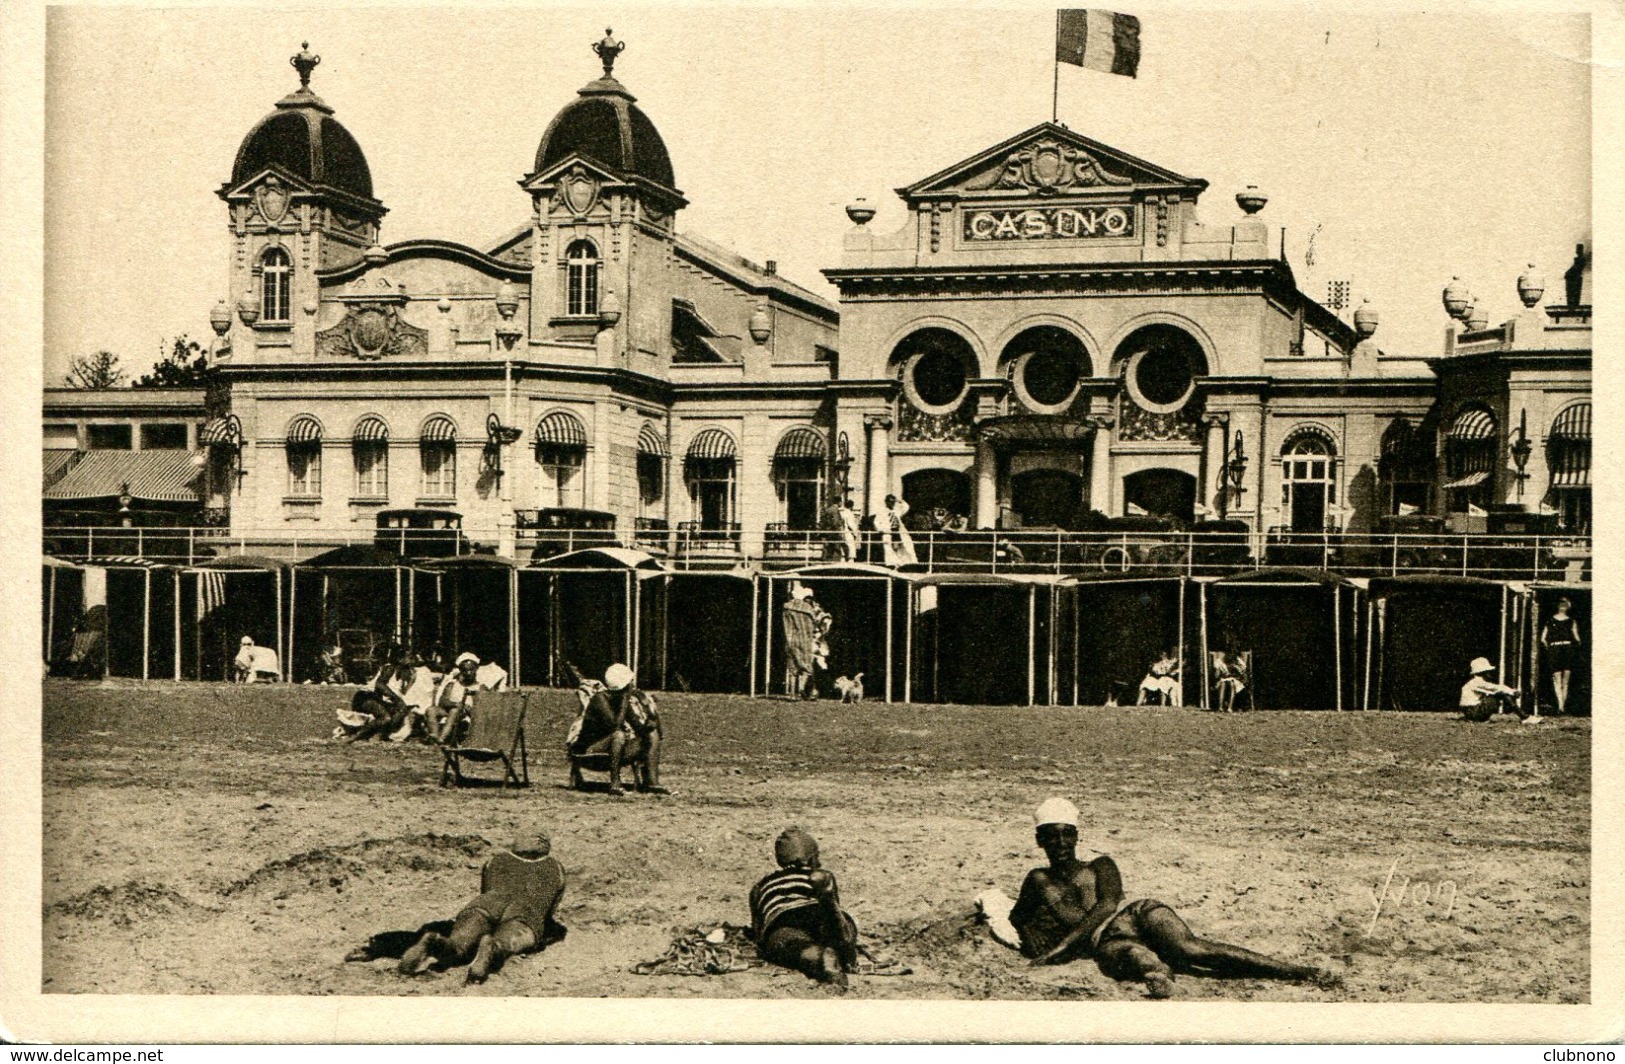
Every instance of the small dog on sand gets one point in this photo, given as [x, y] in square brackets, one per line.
[851, 690]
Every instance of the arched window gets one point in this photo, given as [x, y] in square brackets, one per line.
[1046, 365]
[369, 450]
[581, 279]
[651, 471]
[798, 472]
[1470, 453]
[936, 366]
[1160, 364]
[1406, 466]
[437, 451]
[304, 449]
[1568, 456]
[561, 451]
[276, 286]
[710, 469]
[1308, 480]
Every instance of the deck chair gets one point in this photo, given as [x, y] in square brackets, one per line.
[496, 734]
[1232, 678]
[599, 762]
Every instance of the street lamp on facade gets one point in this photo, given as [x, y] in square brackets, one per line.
[1235, 472]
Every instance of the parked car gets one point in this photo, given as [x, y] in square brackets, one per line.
[421, 533]
[562, 529]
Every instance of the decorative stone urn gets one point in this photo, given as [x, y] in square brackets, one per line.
[609, 308]
[1456, 298]
[761, 327]
[248, 309]
[859, 211]
[220, 318]
[1251, 199]
[1366, 319]
[1531, 286]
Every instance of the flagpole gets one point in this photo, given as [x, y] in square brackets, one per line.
[1055, 93]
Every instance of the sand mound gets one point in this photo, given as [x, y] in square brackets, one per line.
[333, 867]
[127, 904]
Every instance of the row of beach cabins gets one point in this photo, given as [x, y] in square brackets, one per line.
[1315, 640]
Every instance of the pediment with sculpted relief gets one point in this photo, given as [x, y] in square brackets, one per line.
[1049, 160]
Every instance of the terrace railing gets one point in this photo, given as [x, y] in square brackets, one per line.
[1500, 557]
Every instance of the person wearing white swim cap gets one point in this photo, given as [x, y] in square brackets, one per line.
[620, 721]
[1070, 909]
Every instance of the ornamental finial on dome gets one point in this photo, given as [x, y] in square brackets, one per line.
[304, 62]
[607, 50]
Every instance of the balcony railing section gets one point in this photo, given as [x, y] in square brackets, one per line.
[1551, 558]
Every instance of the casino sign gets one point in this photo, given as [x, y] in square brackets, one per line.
[1048, 223]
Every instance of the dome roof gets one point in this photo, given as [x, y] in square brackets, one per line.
[302, 137]
[604, 124]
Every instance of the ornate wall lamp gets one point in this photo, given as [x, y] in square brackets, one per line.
[497, 436]
[1521, 448]
[1235, 472]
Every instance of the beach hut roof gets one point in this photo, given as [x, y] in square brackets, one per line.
[601, 558]
[1387, 585]
[355, 556]
[467, 561]
[844, 569]
[244, 561]
[1006, 579]
[1284, 574]
[57, 563]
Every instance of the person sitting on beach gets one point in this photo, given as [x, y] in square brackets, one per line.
[330, 665]
[796, 918]
[620, 721]
[1482, 697]
[382, 708]
[256, 664]
[458, 694]
[1071, 909]
[519, 891]
[1162, 681]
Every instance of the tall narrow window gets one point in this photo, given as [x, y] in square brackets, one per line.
[1568, 456]
[581, 279]
[651, 473]
[561, 451]
[798, 468]
[710, 468]
[370, 450]
[1471, 452]
[1308, 482]
[437, 450]
[304, 448]
[276, 286]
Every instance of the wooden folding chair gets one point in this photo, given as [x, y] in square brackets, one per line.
[497, 733]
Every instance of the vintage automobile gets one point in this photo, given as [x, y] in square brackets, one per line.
[421, 533]
[562, 529]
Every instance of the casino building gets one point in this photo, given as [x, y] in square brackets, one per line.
[1053, 331]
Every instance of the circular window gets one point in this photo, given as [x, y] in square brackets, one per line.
[1049, 377]
[938, 378]
[1163, 364]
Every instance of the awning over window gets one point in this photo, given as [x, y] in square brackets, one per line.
[1574, 423]
[1473, 424]
[803, 441]
[57, 463]
[305, 429]
[370, 429]
[651, 442]
[153, 476]
[1471, 480]
[439, 429]
[1035, 429]
[712, 443]
[218, 430]
[561, 429]
[1575, 477]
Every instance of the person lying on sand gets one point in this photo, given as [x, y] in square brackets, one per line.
[513, 914]
[796, 916]
[1070, 909]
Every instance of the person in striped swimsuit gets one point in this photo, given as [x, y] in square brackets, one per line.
[796, 916]
[1072, 909]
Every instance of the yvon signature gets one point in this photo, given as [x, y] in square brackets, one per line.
[1417, 893]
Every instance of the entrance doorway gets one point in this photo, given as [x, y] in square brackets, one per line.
[1160, 493]
[1047, 498]
[926, 490]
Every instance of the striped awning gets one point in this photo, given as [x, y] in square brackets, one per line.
[153, 476]
[370, 429]
[712, 443]
[561, 429]
[1573, 476]
[803, 441]
[439, 429]
[214, 430]
[651, 441]
[305, 429]
[57, 463]
[1473, 424]
[1574, 423]
[1470, 480]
